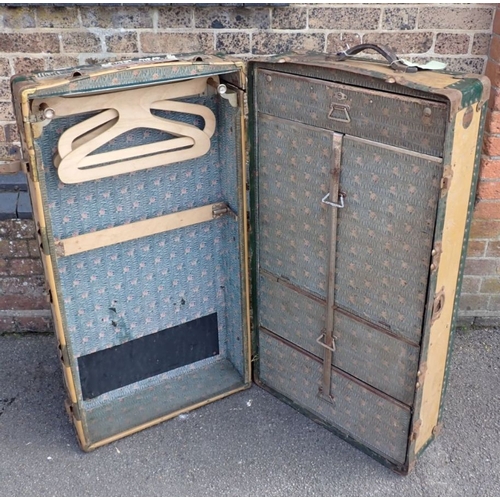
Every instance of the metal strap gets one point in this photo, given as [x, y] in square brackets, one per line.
[329, 343]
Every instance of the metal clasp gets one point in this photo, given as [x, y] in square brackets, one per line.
[332, 348]
[343, 110]
[221, 209]
[336, 205]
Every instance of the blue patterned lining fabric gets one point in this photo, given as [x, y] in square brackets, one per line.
[125, 291]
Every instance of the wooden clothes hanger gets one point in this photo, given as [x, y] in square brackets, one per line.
[122, 112]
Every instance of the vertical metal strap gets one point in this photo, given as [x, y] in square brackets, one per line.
[329, 342]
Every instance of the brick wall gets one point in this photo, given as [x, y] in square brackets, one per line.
[480, 301]
[47, 37]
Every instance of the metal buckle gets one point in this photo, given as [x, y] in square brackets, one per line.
[331, 203]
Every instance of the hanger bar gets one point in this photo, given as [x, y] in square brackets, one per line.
[140, 229]
[65, 106]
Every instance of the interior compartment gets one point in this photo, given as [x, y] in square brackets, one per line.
[154, 324]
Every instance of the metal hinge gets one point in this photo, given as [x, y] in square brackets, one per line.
[42, 231]
[437, 429]
[73, 410]
[436, 256]
[221, 209]
[422, 370]
[64, 355]
[415, 430]
[446, 180]
[48, 293]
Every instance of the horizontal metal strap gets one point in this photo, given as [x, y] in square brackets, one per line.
[140, 229]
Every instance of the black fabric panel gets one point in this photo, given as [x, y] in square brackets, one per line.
[160, 352]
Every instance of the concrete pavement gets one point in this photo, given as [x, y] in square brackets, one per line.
[245, 445]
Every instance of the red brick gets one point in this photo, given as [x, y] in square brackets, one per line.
[493, 72]
[474, 302]
[349, 18]
[179, 16]
[22, 302]
[117, 17]
[17, 17]
[29, 42]
[177, 42]
[13, 248]
[122, 42]
[24, 65]
[451, 43]
[32, 286]
[25, 267]
[493, 122]
[490, 169]
[491, 145]
[57, 17]
[494, 306]
[495, 48]
[487, 210]
[485, 229]
[470, 284]
[493, 249]
[4, 67]
[81, 41]
[490, 285]
[34, 324]
[11, 133]
[455, 17]
[33, 248]
[481, 267]
[496, 23]
[7, 325]
[481, 43]
[476, 248]
[489, 190]
[5, 90]
[6, 112]
[16, 229]
[494, 101]
[58, 62]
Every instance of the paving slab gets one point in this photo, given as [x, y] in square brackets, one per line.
[245, 445]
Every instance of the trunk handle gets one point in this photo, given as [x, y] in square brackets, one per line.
[391, 57]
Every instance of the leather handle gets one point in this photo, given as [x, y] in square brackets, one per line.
[390, 56]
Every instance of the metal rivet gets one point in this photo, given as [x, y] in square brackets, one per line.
[417, 385]
[433, 267]
[269, 78]
[427, 111]
[49, 113]
[433, 252]
[419, 373]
